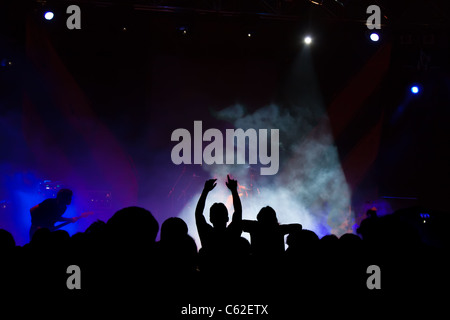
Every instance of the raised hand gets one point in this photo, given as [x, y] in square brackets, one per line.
[231, 184]
[210, 184]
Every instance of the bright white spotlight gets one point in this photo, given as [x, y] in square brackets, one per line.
[415, 89]
[307, 40]
[48, 15]
[374, 37]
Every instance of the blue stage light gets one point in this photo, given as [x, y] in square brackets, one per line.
[49, 15]
[415, 89]
[374, 37]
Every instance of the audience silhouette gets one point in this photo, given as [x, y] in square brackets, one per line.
[122, 256]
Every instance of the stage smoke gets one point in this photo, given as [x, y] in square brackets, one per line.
[310, 187]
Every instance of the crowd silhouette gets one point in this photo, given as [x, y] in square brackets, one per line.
[121, 258]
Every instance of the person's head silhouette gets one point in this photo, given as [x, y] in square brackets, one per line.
[7, 241]
[267, 216]
[218, 215]
[173, 229]
[372, 213]
[64, 196]
[133, 225]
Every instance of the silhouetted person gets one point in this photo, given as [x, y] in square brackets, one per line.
[219, 239]
[132, 226]
[301, 259]
[369, 226]
[349, 238]
[7, 242]
[173, 229]
[329, 238]
[329, 245]
[267, 235]
[300, 240]
[351, 244]
[9, 263]
[177, 249]
[50, 211]
[96, 228]
[130, 252]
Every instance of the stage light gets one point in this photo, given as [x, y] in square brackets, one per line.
[374, 37]
[4, 204]
[425, 217]
[5, 63]
[307, 40]
[49, 15]
[183, 30]
[415, 89]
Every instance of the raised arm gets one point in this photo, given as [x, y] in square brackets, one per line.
[232, 185]
[199, 218]
[290, 228]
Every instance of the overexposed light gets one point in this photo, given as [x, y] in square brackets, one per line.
[49, 15]
[374, 37]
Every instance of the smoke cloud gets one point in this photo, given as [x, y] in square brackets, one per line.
[310, 187]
